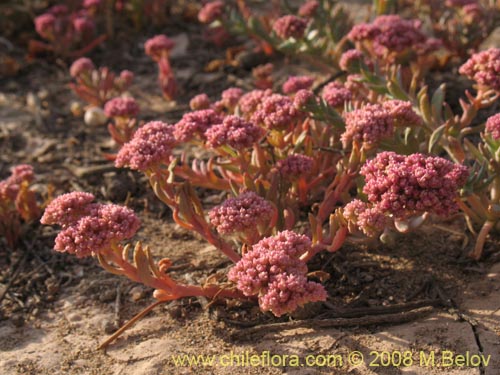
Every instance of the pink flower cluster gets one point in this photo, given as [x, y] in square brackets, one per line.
[121, 107]
[484, 68]
[88, 228]
[9, 188]
[295, 166]
[235, 132]
[404, 185]
[249, 102]
[273, 271]
[97, 86]
[211, 11]
[290, 26]
[126, 77]
[296, 83]
[65, 29]
[242, 213]
[493, 126]
[158, 46]
[81, 66]
[302, 98]
[196, 124]
[402, 113]
[370, 220]
[368, 125]
[44, 25]
[351, 60]
[200, 101]
[390, 33]
[275, 112]
[336, 94]
[151, 144]
[230, 98]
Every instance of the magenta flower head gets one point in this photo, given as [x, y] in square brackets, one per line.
[81, 66]
[352, 60]
[273, 271]
[235, 132]
[243, 213]
[211, 11]
[21, 173]
[196, 124]
[200, 101]
[336, 94]
[473, 13]
[275, 112]
[405, 185]
[295, 166]
[249, 102]
[397, 34]
[296, 83]
[84, 26]
[230, 97]
[158, 46]
[68, 208]
[367, 125]
[363, 31]
[126, 76]
[370, 220]
[303, 98]
[103, 228]
[493, 126]
[151, 145]
[484, 68]
[121, 107]
[290, 26]
[402, 113]
[287, 292]
[10, 187]
[44, 25]
[308, 9]
[391, 33]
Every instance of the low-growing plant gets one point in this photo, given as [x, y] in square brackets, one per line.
[359, 158]
[66, 32]
[315, 31]
[158, 48]
[462, 25]
[97, 86]
[18, 203]
[287, 176]
[123, 112]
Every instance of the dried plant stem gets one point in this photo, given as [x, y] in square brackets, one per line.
[481, 239]
[392, 319]
[129, 324]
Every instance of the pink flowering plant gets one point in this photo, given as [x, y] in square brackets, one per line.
[462, 25]
[391, 40]
[360, 156]
[158, 49]
[67, 33]
[315, 29]
[96, 86]
[18, 203]
[123, 111]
